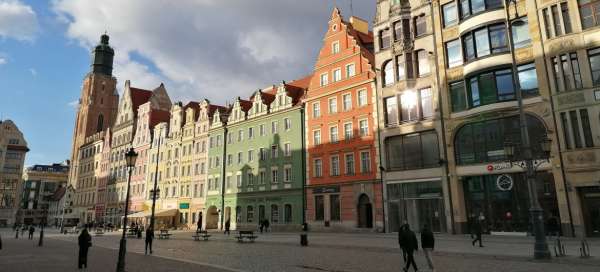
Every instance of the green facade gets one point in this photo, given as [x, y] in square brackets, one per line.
[246, 199]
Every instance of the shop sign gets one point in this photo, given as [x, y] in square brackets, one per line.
[326, 190]
[498, 166]
[184, 206]
[504, 182]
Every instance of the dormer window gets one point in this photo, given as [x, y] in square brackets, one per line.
[335, 47]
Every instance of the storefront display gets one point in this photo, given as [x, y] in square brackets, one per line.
[418, 204]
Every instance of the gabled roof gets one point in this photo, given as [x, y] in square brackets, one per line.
[245, 104]
[139, 97]
[194, 105]
[159, 116]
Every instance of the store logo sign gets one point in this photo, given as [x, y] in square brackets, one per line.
[498, 167]
[504, 182]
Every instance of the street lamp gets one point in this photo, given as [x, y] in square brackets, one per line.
[130, 158]
[536, 212]
[155, 192]
[44, 219]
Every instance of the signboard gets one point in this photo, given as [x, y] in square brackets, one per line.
[184, 206]
[504, 182]
[326, 190]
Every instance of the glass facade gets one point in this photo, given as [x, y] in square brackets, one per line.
[417, 203]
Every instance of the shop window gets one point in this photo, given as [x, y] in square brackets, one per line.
[334, 207]
[482, 142]
[413, 151]
[566, 72]
[319, 208]
[590, 13]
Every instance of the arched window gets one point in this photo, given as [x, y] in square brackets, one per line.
[100, 123]
[288, 213]
[388, 73]
[484, 141]
[249, 214]
[274, 214]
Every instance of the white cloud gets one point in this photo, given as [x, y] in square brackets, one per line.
[33, 72]
[73, 104]
[17, 20]
[204, 48]
[3, 61]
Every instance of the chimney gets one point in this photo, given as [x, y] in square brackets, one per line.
[359, 24]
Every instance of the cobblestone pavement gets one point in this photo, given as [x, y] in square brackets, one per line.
[332, 252]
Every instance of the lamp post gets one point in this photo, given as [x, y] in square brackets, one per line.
[155, 192]
[44, 219]
[130, 158]
[536, 212]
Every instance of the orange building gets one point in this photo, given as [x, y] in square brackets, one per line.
[343, 190]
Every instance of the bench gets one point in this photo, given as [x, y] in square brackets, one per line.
[201, 234]
[246, 234]
[164, 234]
[72, 230]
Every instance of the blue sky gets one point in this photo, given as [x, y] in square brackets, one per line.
[215, 49]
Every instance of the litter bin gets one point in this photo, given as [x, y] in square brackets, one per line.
[303, 239]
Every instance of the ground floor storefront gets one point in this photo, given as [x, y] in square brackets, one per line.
[349, 206]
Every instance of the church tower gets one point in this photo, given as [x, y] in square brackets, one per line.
[97, 105]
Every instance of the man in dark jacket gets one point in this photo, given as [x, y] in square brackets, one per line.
[427, 243]
[478, 229]
[85, 242]
[148, 241]
[410, 245]
[31, 231]
[400, 243]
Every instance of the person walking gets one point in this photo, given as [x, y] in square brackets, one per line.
[267, 225]
[227, 226]
[199, 221]
[85, 242]
[401, 243]
[478, 229]
[31, 231]
[261, 224]
[148, 241]
[410, 245]
[427, 244]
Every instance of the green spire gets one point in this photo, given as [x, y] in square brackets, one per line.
[102, 57]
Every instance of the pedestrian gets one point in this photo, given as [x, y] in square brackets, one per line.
[85, 242]
[261, 224]
[400, 242]
[17, 233]
[478, 229]
[148, 241]
[267, 225]
[23, 228]
[410, 245]
[139, 232]
[427, 244]
[31, 231]
[227, 226]
[199, 222]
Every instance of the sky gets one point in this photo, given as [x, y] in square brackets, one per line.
[214, 49]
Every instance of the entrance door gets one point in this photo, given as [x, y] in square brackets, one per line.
[212, 218]
[421, 212]
[365, 212]
[591, 211]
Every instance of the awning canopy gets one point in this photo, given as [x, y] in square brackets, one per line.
[166, 213]
[139, 214]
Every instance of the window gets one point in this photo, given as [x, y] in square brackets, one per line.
[274, 151]
[240, 158]
[565, 126]
[318, 168]
[332, 105]
[453, 52]
[347, 102]
[334, 207]
[316, 137]
[274, 127]
[498, 38]
[238, 179]
[575, 128]
[472, 7]
[450, 14]
[319, 208]
[335, 166]
[426, 103]
[594, 57]
[249, 214]
[413, 151]
[365, 162]
[423, 63]
[250, 132]
[262, 154]
[528, 78]
[363, 127]
[274, 176]
[400, 73]
[350, 70]
[287, 174]
[324, 79]
[485, 41]
[316, 108]
[274, 213]
[287, 149]
[261, 177]
[349, 164]
[458, 96]
[420, 25]
[240, 135]
[335, 47]
[567, 75]
[398, 31]
[556, 20]
[288, 213]
[337, 75]
[384, 39]
[261, 129]
[362, 98]
[391, 110]
[333, 134]
[587, 130]
[409, 105]
[520, 34]
[388, 73]
[229, 159]
[287, 124]
[482, 142]
[348, 131]
[590, 13]
[250, 155]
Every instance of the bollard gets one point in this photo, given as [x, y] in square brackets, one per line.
[584, 250]
[303, 235]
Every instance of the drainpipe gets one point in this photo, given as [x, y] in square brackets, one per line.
[381, 167]
[443, 125]
[303, 151]
[560, 158]
[222, 214]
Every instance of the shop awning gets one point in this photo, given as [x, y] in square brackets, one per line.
[139, 214]
[166, 213]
